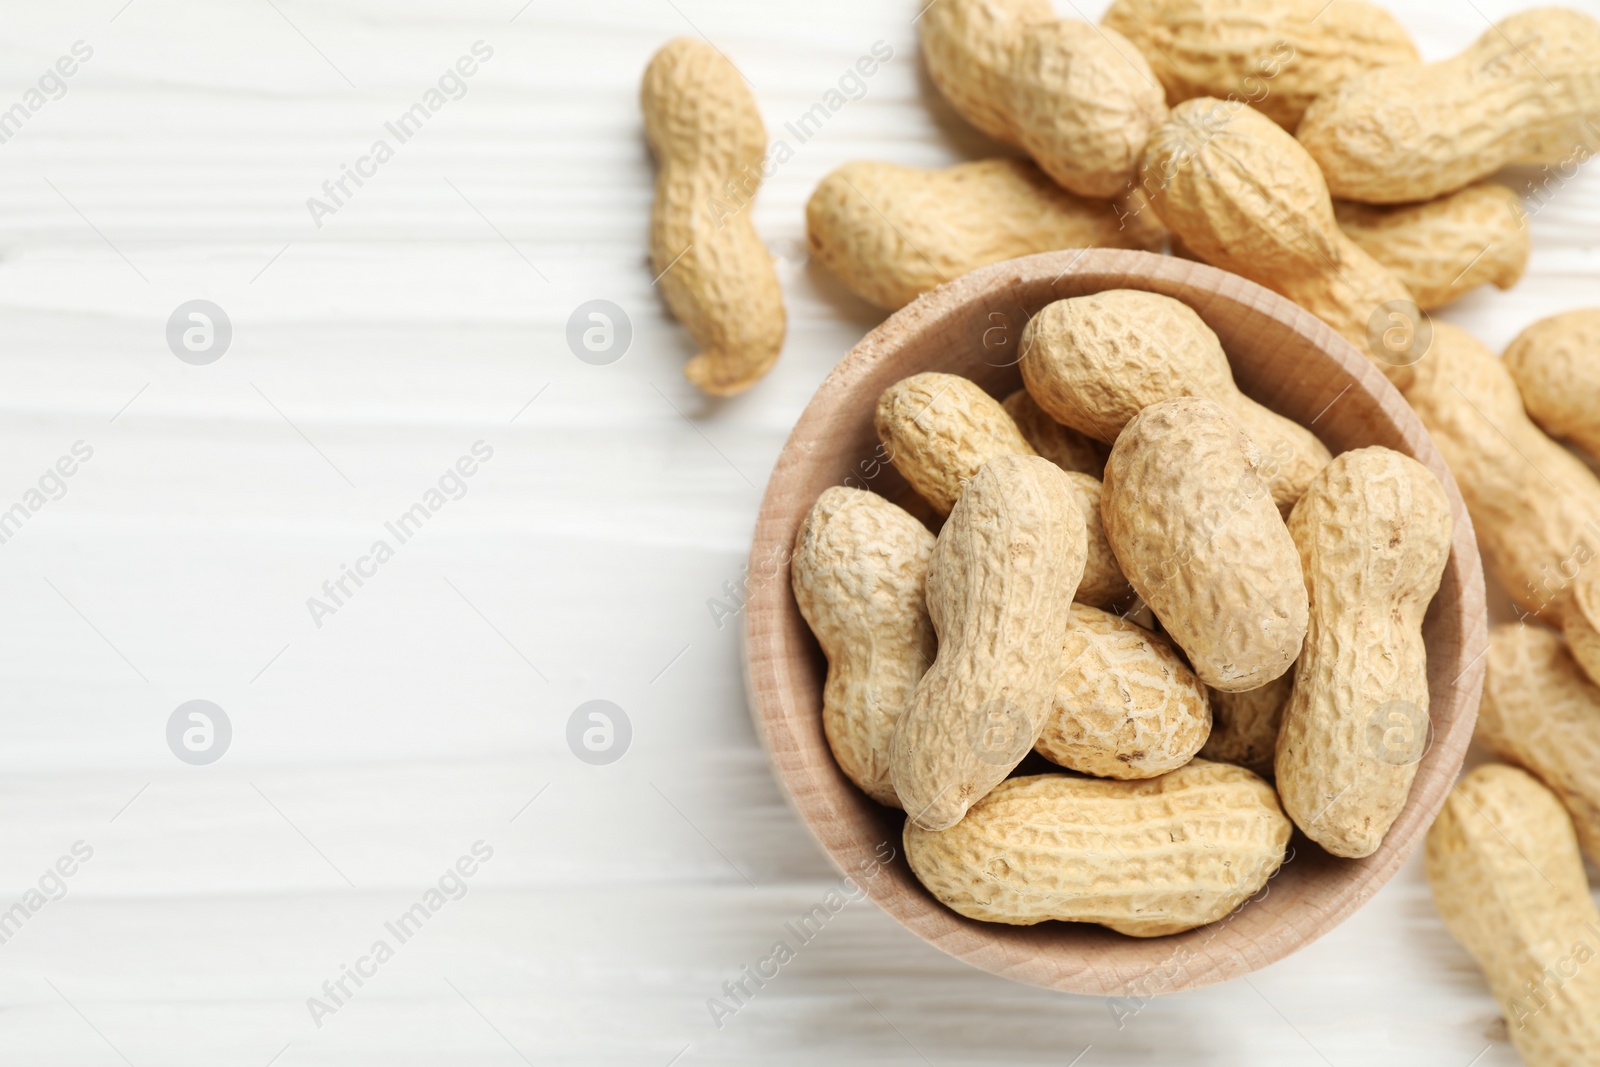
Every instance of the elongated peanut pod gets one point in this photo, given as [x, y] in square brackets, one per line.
[716, 275]
[1243, 195]
[1000, 586]
[1094, 362]
[1126, 705]
[1078, 98]
[891, 233]
[1528, 91]
[1278, 55]
[1244, 726]
[1541, 712]
[1556, 365]
[1508, 882]
[1581, 626]
[1374, 535]
[1194, 527]
[1534, 505]
[859, 572]
[1441, 249]
[1145, 858]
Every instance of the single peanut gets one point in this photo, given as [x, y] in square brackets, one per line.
[1374, 535]
[1540, 711]
[1509, 883]
[1194, 527]
[1094, 362]
[1146, 858]
[1078, 98]
[1060, 444]
[891, 233]
[1556, 365]
[1278, 55]
[703, 126]
[1000, 586]
[1581, 627]
[1534, 505]
[1441, 249]
[859, 571]
[940, 428]
[1244, 726]
[1528, 91]
[1126, 705]
[1244, 196]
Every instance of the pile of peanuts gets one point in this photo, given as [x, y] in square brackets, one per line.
[1206, 623]
[1281, 593]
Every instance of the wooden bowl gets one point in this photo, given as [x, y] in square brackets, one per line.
[1283, 357]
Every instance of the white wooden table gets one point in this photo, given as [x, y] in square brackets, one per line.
[375, 742]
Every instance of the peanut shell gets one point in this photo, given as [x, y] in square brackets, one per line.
[1103, 585]
[1243, 195]
[1244, 726]
[1278, 55]
[891, 233]
[859, 571]
[1541, 712]
[702, 124]
[1527, 91]
[940, 428]
[1059, 443]
[1441, 249]
[1374, 535]
[1000, 586]
[1145, 858]
[1195, 530]
[1556, 365]
[1508, 882]
[1534, 505]
[1078, 98]
[1581, 627]
[1126, 705]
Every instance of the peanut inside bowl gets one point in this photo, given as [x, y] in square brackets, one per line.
[1282, 357]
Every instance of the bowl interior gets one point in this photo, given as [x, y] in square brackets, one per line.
[1284, 358]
